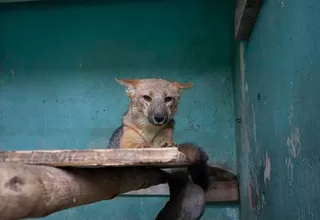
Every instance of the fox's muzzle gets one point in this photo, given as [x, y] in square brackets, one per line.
[158, 117]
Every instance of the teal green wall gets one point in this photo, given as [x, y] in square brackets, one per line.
[57, 88]
[277, 86]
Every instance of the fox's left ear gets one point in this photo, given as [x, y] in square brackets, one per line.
[182, 85]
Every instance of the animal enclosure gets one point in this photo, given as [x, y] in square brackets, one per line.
[59, 61]
[253, 106]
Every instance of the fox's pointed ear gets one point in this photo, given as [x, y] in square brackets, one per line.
[182, 85]
[128, 82]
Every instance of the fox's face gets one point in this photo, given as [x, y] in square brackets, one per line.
[154, 99]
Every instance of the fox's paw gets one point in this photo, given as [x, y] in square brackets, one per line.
[169, 144]
[144, 145]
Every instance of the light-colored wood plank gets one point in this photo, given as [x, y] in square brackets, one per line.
[219, 191]
[245, 17]
[156, 157]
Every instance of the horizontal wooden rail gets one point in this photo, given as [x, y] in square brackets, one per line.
[221, 190]
[155, 157]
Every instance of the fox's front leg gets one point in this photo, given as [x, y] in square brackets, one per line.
[165, 138]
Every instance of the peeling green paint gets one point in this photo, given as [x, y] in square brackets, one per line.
[277, 75]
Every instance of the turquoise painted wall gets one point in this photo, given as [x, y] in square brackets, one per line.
[277, 83]
[57, 88]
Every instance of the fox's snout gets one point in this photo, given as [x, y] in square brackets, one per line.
[158, 118]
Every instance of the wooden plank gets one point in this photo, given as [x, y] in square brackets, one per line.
[219, 191]
[245, 17]
[156, 157]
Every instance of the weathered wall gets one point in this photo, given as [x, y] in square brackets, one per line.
[277, 86]
[57, 88]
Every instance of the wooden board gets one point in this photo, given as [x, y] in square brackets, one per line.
[245, 17]
[220, 191]
[156, 157]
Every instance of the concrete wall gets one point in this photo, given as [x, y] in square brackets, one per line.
[277, 97]
[57, 88]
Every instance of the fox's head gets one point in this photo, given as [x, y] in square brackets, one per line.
[153, 101]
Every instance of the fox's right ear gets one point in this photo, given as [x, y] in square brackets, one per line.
[130, 84]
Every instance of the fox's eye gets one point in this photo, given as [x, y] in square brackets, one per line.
[167, 99]
[147, 98]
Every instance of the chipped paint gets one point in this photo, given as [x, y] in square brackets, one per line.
[253, 192]
[289, 165]
[293, 143]
[245, 145]
[256, 185]
[293, 140]
[267, 169]
[290, 115]
[284, 68]
[243, 103]
[242, 70]
[232, 214]
[250, 196]
[254, 126]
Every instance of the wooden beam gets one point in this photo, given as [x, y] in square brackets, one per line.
[156, 157]
[219, 191]
[32, 191]
[222, 190]
[245, 17]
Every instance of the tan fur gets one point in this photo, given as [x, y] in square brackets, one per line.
[150, 99]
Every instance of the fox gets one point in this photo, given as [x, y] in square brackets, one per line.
[149, 120]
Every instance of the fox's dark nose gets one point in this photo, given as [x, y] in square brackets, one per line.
[159, 119]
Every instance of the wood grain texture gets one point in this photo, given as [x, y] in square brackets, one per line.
[245, 17]
[156, 157]
[31, 191]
